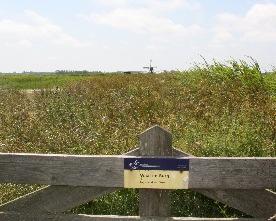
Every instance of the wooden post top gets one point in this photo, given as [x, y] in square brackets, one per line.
[156, 141]
[154, 129]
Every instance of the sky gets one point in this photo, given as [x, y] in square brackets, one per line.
[123, 35]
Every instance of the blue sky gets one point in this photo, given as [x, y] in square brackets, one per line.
[111, 35]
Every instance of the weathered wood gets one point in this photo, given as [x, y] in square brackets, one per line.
[133, 152]
[56, 199]
[256, 203]
[179, 153]
[72, 217]
[155, 142]
[107, 171]
[232, 173]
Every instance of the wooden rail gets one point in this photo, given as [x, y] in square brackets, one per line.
[241, 183]
[108, 171]
[70, 217]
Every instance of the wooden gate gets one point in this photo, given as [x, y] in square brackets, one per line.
[241, 183]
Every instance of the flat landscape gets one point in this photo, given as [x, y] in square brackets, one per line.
[37, 81]
[212, 110]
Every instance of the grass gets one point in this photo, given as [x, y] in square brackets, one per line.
[32, 81]
[270, 80]
[212, 110]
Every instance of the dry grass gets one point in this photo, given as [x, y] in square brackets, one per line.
[214, 110]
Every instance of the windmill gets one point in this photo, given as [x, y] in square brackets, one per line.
[150, 67]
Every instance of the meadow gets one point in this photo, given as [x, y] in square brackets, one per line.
[38, 81]
[212, 110]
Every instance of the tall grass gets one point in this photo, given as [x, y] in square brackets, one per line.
[33, 81]
[212, 110]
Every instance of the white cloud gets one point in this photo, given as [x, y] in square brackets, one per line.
[250, 34]
[143, 21]
[113, 3]
[159, 5]
[33, 42]
[146, 17]
[257, 25]
[36, 29]
[169, 5]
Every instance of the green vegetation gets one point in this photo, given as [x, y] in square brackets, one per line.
[212, 110]
[32, 81]
[270, 80]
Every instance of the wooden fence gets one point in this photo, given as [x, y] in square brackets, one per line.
[242, 183]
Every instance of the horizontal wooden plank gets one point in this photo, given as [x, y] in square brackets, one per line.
[232, 173]
[58, 199]
[71, 217]
[107, 171]
[256, 203]
[55, 199]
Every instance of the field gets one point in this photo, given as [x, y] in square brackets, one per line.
[29, 81]
[212, 110]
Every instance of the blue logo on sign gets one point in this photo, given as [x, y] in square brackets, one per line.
[178, 164]
[134, 165]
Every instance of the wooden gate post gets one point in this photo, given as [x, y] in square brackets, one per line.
[155, 141]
